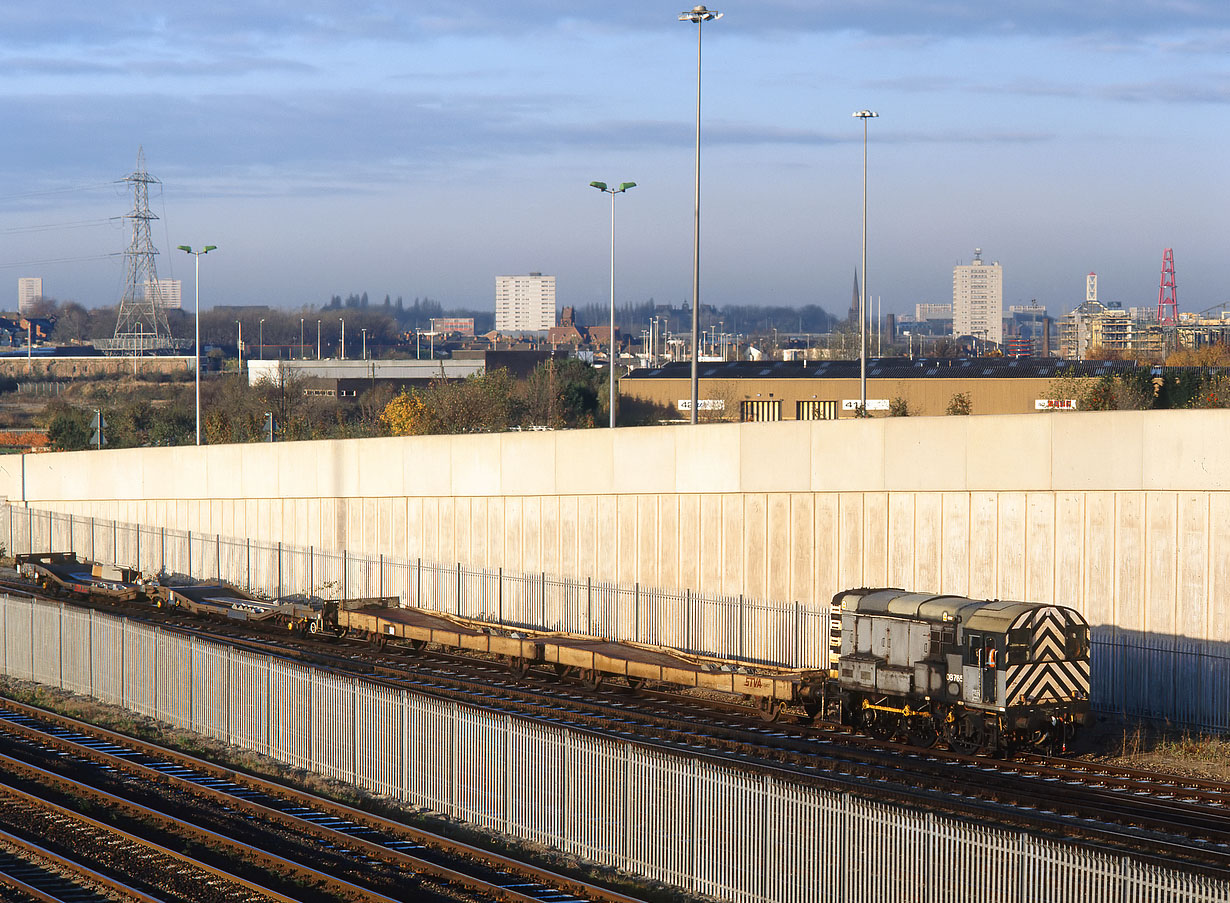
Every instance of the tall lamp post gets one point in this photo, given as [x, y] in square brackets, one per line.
[262, 331]
[301, 338]
[602, 186]
[197, 279]
[317, 340]
[700, 15]
[342, 343]
[364, 343]
[862, 295]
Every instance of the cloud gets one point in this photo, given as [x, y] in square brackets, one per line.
[256, 23]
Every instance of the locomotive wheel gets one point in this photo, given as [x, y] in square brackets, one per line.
[922, 732]
[880, 725]
[967, 737]
[811, 711]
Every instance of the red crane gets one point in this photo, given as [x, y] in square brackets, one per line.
[1167, 304]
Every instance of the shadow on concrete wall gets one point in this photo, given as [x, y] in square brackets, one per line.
[1179, 680]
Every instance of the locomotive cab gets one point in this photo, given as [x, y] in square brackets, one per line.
[984, 675]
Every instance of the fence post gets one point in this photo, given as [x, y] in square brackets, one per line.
[636, 612]
[279, 569]
[311, 571]
[343, 573]
[247, 546]
[459, 589]
[742, 628]
[687, 619]
[217, 556]
[189, 575]
[380, 574]
[499, 594]
[418, 583]
[589, 604]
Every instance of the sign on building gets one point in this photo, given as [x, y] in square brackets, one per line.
[1054, 404]
[705, 404]
[873, 404]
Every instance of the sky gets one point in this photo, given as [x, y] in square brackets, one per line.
[422, 148]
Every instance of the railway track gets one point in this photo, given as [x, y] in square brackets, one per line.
[402, 862]
[1169, 819]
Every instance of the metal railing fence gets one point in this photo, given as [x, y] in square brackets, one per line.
[787, 634]
[1180, 680]
[688, 820]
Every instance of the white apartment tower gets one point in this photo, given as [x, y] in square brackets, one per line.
[978, 299]
[168, 292]
[524, 303]
[29, 290]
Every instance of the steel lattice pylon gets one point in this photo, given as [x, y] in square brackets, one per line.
[142, 322]
[1167, 302]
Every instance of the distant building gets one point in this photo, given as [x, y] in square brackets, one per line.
[453, 326]
[978, 299]
[29, 290]
[168, 293]
[524, 303]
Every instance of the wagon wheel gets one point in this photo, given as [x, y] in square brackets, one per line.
[811, 711]
[518, 667]
[592, 679]
[770, 708]
[413, 647]
[378, 641]
[635, 684]
[562, 671]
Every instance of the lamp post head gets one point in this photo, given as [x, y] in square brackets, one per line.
[184, 248]
[865, 114]
[209, 248]
[699, 14]
[602, 186]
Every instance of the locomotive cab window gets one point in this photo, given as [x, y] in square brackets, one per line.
[1078, 641]
[973, 649]
[1017, 652]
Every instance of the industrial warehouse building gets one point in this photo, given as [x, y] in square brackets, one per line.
[829, 390]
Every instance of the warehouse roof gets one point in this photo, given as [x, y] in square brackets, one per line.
[910, 368]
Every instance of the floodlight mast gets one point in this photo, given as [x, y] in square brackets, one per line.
[699, 15]
[862, 298]
[602, 186]
[197, 254]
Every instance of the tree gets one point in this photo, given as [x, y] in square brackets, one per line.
[898, 407]
[405, 415]
[1214, 393]
[69, 429]
[959, 404]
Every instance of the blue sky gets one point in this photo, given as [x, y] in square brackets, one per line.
[422, 148]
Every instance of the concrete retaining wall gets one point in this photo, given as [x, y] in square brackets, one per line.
[1125, 516]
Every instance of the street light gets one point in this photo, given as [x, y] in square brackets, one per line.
[262, 326]
[239, 347]
[197, 279]
[700, 15]
[862, 295]
[602, 186]
[317, 340]
[342, 344]
[301, 338]
[364, 330]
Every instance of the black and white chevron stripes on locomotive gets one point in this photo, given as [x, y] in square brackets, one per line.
[1050, 675]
